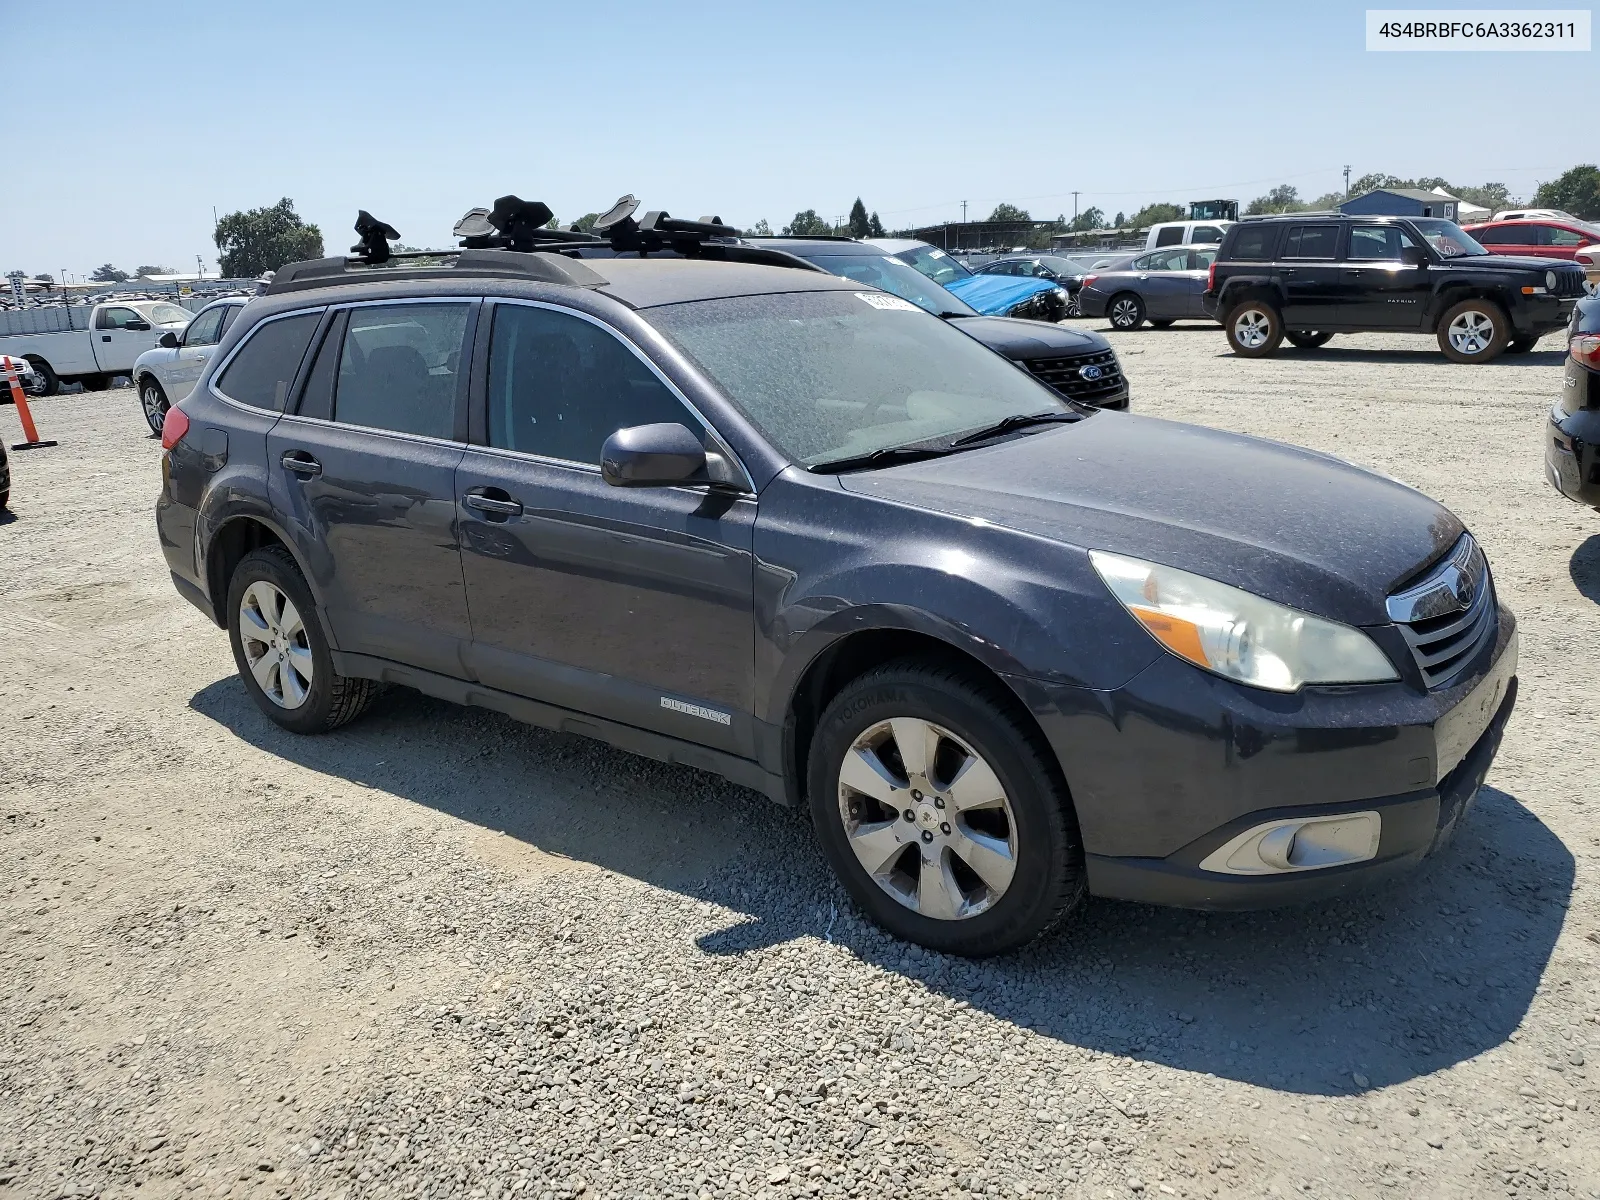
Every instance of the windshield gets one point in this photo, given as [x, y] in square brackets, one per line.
[889, 274]
[935, 264]
[1447, 238]
[168, 314]
[831, 375]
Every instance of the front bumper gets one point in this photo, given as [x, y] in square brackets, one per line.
[1173, 766]
[1542, 314]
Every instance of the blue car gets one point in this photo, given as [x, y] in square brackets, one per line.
[1032, 299]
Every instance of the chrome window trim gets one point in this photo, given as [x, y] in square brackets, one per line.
[398, 434]
[706, 426]
[218, 368]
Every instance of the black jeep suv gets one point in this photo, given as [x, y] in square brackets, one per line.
[774, 524]
[1307, 276]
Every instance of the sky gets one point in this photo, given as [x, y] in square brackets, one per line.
[134, 122]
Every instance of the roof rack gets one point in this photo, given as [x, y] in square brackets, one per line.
[468, 264]
[1315, 212]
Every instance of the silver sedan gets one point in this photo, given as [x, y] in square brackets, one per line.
[166, 374]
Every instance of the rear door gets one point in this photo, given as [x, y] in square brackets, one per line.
[634, 604]
[1199, 271]
[1311, 275]
[1161, 278]
[1381, 291]
[363, 473]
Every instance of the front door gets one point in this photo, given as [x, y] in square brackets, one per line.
[1311, 275]
[195, 347]
[634, 604]
[363, 473]
[120, 336]
[1382, 291]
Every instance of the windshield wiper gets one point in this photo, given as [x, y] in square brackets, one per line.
[1018, 421]
[889, 456]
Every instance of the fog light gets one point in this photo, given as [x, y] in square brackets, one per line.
[1299, 844]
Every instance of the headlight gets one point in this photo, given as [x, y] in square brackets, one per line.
[1061, 294]
[1237, 634]
[1550, 280]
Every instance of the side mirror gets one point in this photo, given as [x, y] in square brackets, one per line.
[141, 326]
[660, 455]
[168, 341]
[1413, 256]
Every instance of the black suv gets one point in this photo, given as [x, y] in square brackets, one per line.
[1307, 276]
[776, 525]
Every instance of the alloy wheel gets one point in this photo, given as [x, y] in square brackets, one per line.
[275, 644]
[1123, 313]
[927, 818]
[1252, 328]
[1472, 332]
[155, 406]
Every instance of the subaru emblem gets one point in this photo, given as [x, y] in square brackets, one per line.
[1090, 373]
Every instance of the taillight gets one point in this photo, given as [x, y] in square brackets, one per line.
[1211, 278]
[173, 428]
[1585, 348]
[1088, 280]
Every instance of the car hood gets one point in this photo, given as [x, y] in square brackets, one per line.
[993, 294]
[1497, 262]
[1299, 527]
[1021, 341]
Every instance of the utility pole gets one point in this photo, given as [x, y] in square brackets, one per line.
[1074, 208]
[1347, 181]
[963, 212]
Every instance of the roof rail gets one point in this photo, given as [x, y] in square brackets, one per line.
[468, 264]
[1312, 212]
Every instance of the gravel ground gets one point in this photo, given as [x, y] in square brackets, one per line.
[441, 954]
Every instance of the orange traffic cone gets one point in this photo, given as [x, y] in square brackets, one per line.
[29, 431]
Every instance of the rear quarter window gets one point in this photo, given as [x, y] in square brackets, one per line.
[1252, 243]
[264, 367]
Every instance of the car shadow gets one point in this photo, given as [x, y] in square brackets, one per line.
[1585, 567]
[1327, 999]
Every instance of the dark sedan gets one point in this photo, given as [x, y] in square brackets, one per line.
[1077, 363]
[1572, 445]
[1161, 287]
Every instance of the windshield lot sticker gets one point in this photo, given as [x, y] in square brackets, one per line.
[892, 303]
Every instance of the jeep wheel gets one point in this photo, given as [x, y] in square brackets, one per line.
[1521, 345]
[942, 816]
[1308, 341]
[154, 402]
[1126, 311]
[1254, 329]
[1474, 331]
[280, 651]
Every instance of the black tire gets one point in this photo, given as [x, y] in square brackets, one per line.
[1484, 330]
[153, 403]
[1166, 323]
[49, 383]
[1125, 311]
[332, 699]
[95, 383]
[1521, 345]
[1254, 328]
[1309, 341]
[1047, 880]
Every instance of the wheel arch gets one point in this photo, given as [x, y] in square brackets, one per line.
[1448, 297]
[236, 536]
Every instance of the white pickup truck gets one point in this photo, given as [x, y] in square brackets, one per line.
[86, 345]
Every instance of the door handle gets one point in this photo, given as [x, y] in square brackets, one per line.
[301, 463]
[501, 507]
[200, 358]
[1144, 277]
[105, 337]
[1288, 270]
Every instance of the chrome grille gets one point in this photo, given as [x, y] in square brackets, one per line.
[1449, 614]
[1065, 375]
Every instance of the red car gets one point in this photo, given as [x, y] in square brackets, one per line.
[1540, 237]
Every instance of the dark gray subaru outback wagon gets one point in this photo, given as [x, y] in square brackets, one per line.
[768, 523]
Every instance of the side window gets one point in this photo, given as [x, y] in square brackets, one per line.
[204, 330]
[1201, 260]
[1505, 235]
[1371, 242]
[260, 373]
[1254, 242]
[117, 318]
[316, 399]
[559, 386]
[1561, 237]
[229, 314]
[1311, 241]
[400, 367]
[1206, 233]
[1172, 235]
[1147, 263]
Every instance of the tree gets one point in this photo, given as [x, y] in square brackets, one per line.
[1493, 196]
[147, 269]
[1121, 220]
[1283, 198]
[807, 223]
[1576, 192]
[1089, 218]
[1152, 214]
[874, 226]
[760, 229]
[1009, 212]
[107, 274]
[585, 223]
[263, 239]
[1327, 201]
[47, 280]
[1377, 179]
[860, 225]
